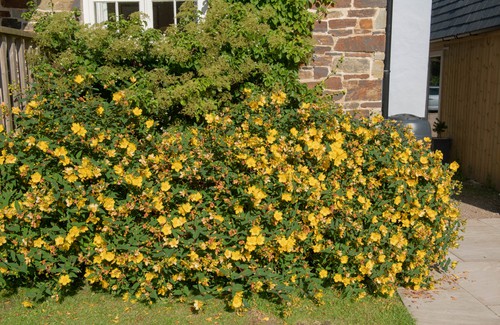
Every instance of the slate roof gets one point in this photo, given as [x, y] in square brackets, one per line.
[452, 18]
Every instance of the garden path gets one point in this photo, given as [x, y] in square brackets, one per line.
[470, 294]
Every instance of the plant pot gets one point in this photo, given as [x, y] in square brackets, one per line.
[443, 145]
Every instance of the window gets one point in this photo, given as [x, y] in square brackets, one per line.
[434, 82]
[161, 13]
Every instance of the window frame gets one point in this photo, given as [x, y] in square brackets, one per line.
[435, 54]
[145, 6]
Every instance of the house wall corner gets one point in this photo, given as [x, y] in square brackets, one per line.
[349, 54]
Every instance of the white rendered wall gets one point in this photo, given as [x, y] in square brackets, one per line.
[411, 23]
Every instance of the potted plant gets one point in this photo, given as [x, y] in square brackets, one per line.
[441, 143]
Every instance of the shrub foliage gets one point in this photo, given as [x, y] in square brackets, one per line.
[193, 68]
[267, 193]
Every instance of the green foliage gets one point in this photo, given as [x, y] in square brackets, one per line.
[439, 127]
[109, 181]
[193, 68]
[258, 199]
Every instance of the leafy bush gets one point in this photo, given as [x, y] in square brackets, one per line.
[193, 68]
[258, 199]
[110, 181]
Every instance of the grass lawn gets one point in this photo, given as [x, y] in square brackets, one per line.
[87, 307]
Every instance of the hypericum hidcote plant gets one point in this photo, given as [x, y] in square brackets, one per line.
[193, 163]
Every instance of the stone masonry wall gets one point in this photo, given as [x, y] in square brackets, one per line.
[11, 10]
[349, 54]
[10, 13]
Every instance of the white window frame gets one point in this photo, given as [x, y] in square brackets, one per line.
[145, 6]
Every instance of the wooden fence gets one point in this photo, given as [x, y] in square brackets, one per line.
[470, 104]
[14, 72]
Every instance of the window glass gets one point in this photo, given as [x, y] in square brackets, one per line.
[159, 13]
[165, 13]
[434, 84]
[105, 10]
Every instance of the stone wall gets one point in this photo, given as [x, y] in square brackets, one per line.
[10, 13]
[348, 57]
[349, 54]
[11, 10]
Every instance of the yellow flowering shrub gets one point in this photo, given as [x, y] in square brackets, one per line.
[150, 164]
[258, 199]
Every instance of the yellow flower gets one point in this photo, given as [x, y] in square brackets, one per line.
[100, 110]
[247, 91]
[59, 241]
[197, 305]
[196, 197]
[344, 259]
[454, 166]
[236, 256]
[60, 151]
[286, 245]
[3, 240]
[1, 128]
[323, 274]
[238, 209]
[185, 209]
[166, 230]
[149, 123]
[108, 256]
[255, 230]
[337, 277]
[42, 145]
[118, 170]
[10, 159]
[79, 79]
[108, 204]
[150, 276]
[98, 241]
[251, 162]
[116, 273]
[237, 300]
[161, 220]
[177, 166]
[210, 118]
[278, 216]
[137, 111]
[16, 110]
[375, 237]
[133, 79]
[178, 222]
[133, 180]
[165, 186]
[118, 96]
[286, 197]
[78, 129]
[37, 243]
[27, 304]
[64, 280]
[36, 178]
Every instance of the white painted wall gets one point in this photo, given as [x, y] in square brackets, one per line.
[411, 23]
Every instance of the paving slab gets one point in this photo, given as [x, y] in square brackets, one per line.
[481, 242]
[480, 279]
[448, 304]
[470, 294]
[495, 309]
[495, 223]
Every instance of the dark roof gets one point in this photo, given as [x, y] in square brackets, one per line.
[452, 18]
